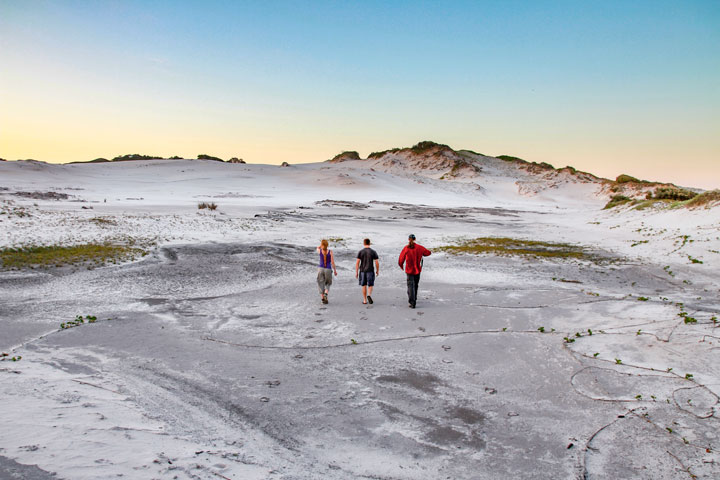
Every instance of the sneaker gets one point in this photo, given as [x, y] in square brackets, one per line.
[324, 299]
[370, 300]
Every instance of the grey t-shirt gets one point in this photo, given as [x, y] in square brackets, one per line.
[366, 256]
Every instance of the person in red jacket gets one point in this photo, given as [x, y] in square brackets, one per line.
[412, 257]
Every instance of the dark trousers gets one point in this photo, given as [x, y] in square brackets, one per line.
[412, 282]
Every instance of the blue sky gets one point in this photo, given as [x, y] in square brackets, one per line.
[608, 87]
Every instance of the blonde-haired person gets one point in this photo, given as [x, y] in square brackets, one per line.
[326, 267]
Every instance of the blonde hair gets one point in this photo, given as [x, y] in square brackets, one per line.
[324, 244]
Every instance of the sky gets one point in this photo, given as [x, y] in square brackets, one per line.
[606, 86]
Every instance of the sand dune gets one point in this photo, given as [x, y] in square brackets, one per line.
[212, 356]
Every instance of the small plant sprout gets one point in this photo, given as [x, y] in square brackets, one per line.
[541, 329]
[638, 397]
[688, 376]
[618, 361]
[638, 332]
[669, 369]
[689, 319]
[552, 330]
[643, 299]
[578, 334]
[596, 354]
[504, 329]
[353, 341]
[568, 339]
[653, 397]
[685, 441]
[670, 430]
[589, 332]
[79, 320]
[16, 359]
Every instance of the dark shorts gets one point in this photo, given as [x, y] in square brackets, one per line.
[367, 278]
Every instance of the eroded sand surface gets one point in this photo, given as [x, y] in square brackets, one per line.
[216, 359]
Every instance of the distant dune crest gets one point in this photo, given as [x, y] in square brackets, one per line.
[502, 175]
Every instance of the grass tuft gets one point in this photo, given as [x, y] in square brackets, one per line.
[616, 200]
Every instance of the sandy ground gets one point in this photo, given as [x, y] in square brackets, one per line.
[212, 357]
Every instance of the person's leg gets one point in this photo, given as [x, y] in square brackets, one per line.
[364, 290]
[411, 289]
[328, 280]
[370, 284]
[416, 284]
[321, 281]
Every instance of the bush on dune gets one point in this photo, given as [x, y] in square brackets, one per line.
[203, 156]
[627, 179]
[669, 193]
[134, 156]
[510, 158]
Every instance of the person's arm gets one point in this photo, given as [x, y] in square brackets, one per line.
[377, 267]
[357, 265]
[401, 260]
[332, 261]
[426, 252]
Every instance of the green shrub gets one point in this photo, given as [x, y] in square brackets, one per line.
[670, 193]
[509, 158]
[627, 178]
[421, 147]
[134, 156]
[380, 154]
[203, 156]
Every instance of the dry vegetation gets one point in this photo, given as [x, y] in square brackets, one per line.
[505, 246]
[666, 196]
[209, 206]
[705, 199]
[58, 256]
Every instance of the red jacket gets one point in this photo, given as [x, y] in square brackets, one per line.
[412, 258]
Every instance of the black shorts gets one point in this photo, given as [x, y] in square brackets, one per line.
[367, 278]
